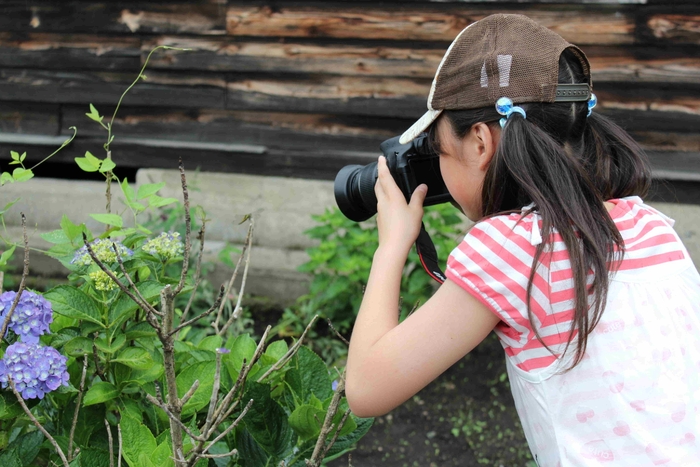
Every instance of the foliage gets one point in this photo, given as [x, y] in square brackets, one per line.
[123, 377]
[341, 262]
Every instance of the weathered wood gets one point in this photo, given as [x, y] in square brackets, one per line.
[605, 25]
[119, 17]
[623, 64]
[59, 51]
[29, 118]
[273, 130]
[682, 28]
[106, 88]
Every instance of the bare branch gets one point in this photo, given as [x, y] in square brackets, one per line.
[144, 303]
[81, 390]
[319, 451]
[188, 231]
[231, 426]
[202, 315]
[340, 336]
[233, 277]
[144, 306]
[246, 250]
[188, 395]
[219, 456]
[290, 353]
[214, 395]
[36, 422]
[172, 417]
[111, 443]
[198, 270]
[25, 273]
[119, 436]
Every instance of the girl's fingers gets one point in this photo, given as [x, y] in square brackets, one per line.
[385, 179]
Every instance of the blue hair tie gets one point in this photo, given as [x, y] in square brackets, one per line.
[592, 102]
[504, 106]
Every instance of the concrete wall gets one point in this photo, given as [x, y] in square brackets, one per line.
[281, 207]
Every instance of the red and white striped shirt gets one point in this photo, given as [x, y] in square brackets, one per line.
[623, 403]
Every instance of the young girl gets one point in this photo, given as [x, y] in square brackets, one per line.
[592, 294]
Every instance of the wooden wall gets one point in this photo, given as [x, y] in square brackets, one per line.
[301, 88]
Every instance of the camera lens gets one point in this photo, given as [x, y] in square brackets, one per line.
[354, 191]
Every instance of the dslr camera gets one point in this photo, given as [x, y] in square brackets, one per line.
[410, 164]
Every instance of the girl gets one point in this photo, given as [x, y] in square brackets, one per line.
[591, 292]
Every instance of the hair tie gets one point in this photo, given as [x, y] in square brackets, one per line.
[592, 102]
[504, 106]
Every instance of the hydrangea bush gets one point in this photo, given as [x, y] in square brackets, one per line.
[104, 369]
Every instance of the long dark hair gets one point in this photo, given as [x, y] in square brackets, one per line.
[568, 165]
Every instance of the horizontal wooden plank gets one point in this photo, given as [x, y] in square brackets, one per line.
[29, 118]
[617, 64]
[114, 17]
[272, 130]
[601, 26]
[106, 88]
[69, 51]
[682, 28]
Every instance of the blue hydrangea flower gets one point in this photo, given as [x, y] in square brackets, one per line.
[102, 247]
[35, 369]
[31, 318]
[166, 245]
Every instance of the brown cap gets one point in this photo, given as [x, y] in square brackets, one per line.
[500, 56]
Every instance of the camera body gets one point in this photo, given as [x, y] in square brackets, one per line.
[410, 164]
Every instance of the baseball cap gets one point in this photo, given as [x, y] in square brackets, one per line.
[502, 55]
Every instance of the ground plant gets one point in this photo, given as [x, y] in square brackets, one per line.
[116, 366]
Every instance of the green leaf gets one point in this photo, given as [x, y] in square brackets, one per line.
[148, 189]
[22, 175]
[242, 348]
[94, 114]
[100, 392]
[137, 441]
[210, 343]
[14, 155]
[314, 375]
[9, 407]
[107, 165]
[89, 163]
[307, 420]
[202, 371]
[72, 230]
[162, 456]
[9, 205]
[10, 458]
[6, 255]
[123, 306]
[27, 446]
[109, 219]
[156, 201]
[6, 177]
[135, 357]
[74, 303]
[267, 421]
[55, 236]
[77, 347]
[110, 348]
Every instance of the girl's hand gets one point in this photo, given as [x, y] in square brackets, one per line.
[398, 222]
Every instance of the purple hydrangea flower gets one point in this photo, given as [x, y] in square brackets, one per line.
[35, 369]
[31, 318]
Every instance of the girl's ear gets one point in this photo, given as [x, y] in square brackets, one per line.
[486, 136]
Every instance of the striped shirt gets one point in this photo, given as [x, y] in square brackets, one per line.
[633, 399]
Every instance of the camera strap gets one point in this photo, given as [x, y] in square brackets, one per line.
[428, 256]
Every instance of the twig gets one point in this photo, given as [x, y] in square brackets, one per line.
[214, 395]
[219, 456]
[144, 302]
[198, 270]
[36, 422]
[144, 306]
[290, 353]
[340, 336]
[111, 444]
[319, 451]
[230, 427]
[2, 280]
[188, 395]
[202, 315]
[119, 436]
[170, 415]
[25, 273]
[246, 245]
[81, 390]
[188, 231]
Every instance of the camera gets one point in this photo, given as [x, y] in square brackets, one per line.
[410, 164]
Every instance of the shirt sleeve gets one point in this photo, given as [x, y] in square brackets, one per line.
[493, 263]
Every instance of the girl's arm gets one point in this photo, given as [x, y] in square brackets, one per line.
[389, 362]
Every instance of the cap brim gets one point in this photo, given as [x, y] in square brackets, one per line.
[420, 126]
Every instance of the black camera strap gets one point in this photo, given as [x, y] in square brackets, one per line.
[428, 256]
